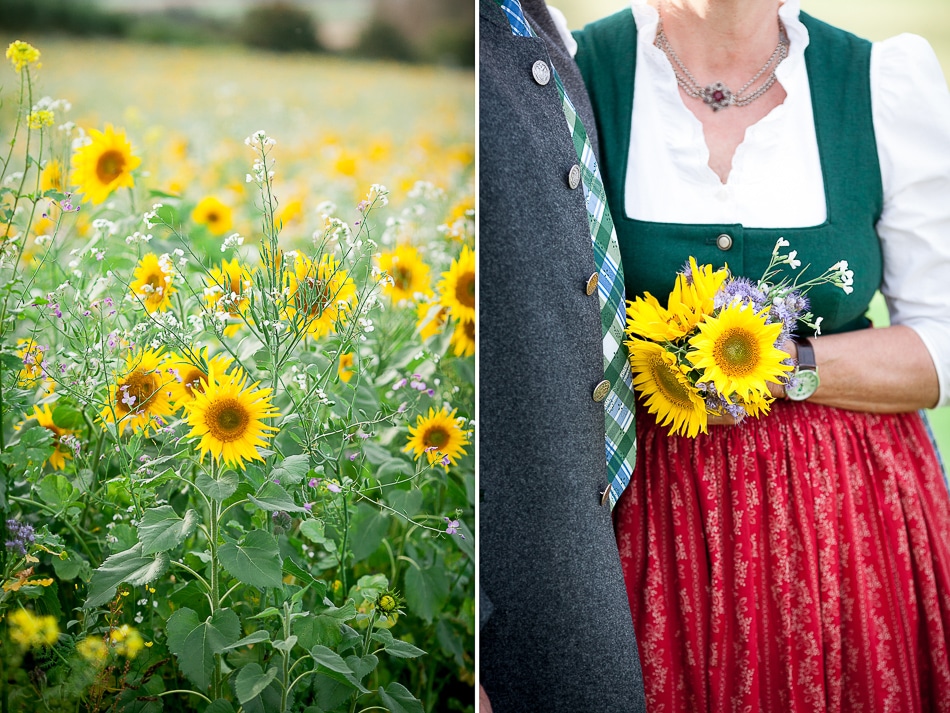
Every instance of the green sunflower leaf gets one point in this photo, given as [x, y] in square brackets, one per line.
[255, 560]
[398, 699]
[252, 680]
[272, 498]
[162, 529]
[195, 642]
[129, 566]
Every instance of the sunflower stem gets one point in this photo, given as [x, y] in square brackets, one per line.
[215, 598]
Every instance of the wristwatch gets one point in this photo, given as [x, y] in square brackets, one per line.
[806, 373]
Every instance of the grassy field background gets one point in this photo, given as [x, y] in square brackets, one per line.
[873, 19]
[341, 125]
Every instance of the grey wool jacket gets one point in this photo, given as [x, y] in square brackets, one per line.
[556, 632]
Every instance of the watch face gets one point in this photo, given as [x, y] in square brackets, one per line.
[807, 385]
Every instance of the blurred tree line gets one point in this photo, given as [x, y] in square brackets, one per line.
[434, 31]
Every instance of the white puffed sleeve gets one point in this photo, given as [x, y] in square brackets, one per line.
[911, 112]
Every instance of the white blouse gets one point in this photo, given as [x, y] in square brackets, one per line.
[776, 179]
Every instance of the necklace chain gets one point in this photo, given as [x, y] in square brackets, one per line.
[717, 95]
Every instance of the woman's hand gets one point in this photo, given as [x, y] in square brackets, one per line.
[777, 391]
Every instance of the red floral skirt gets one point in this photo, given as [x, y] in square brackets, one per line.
[799, 562]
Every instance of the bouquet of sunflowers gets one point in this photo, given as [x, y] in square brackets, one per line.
[716, 346]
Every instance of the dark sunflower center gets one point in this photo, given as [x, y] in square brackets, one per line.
[110, 166]
[213, 216]
[469, 328]
[436, 437]
[136, 391]
[737, 352]
[671, 387]
[402, 277]
[312, 296]
[194, 381]
[227, 420]
[465, 289]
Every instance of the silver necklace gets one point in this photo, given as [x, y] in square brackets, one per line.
[717, 95]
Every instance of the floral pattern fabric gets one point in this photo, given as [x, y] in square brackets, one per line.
[800, 562]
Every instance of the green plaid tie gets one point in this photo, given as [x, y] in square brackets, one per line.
[619, 404]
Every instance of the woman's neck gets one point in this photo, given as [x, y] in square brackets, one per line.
[721, 40]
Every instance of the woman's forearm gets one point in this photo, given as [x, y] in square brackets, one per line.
[884, 370]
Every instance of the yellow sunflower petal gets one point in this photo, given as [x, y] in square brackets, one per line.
[457, 287]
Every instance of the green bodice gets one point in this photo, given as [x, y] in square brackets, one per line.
[838, 65]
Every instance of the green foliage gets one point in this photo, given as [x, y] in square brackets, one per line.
[381, 40]
[81, 17]
[280, 27]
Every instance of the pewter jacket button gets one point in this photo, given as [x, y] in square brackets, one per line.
[724, 242]
[592, 281]
[574, 176]
[601, 390]
[541, 72]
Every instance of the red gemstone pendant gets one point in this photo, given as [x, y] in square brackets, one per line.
[718, 96]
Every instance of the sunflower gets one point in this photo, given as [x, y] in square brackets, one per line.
[153, 282]
[464, 209]
[439, 436]
[410, 275]
[736, 352]
[345, 368]
[213, 214]
[667, 392]
[289, 212]
[104, 164]
[693, 295]
[463, 339]
[33, 357]
[430, 318]
[44, 416]
[228, 417]
[140, 398]
[647, 318]
[189, 377]
[320, 295]
[52, 177]
[457, 287]
[228, 290]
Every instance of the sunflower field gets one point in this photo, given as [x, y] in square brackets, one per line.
[236, 383]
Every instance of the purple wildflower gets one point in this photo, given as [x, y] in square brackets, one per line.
[20, 534]
[334, 488]
[740, 289]
[452, 527]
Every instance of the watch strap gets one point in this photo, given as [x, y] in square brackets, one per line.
[806, 354]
